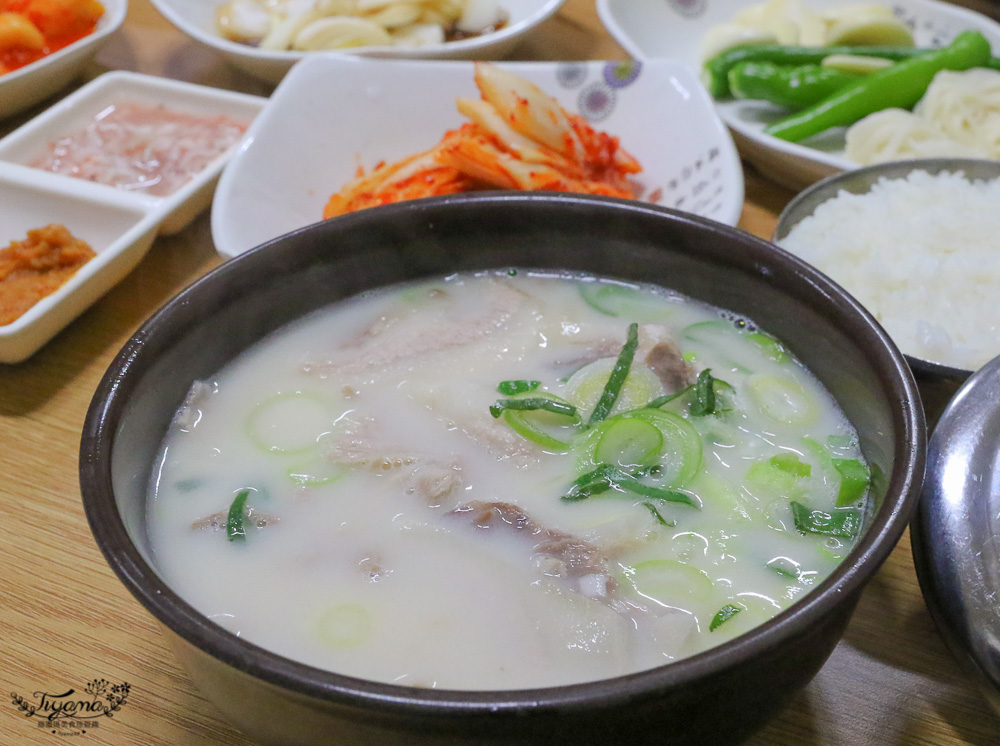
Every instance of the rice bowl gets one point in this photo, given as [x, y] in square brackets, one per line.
[916, 243]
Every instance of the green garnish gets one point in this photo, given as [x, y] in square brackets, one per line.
[841, 522]
[606, 477]
[724, 614]
[658, 516]
[617, 378]
[791, 464]
[704, 393]
[236, 521]
[511, 388]
[854, 479]
[705, 401]
[533, 403]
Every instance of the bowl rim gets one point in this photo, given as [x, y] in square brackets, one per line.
[166, 606]
[545, 9]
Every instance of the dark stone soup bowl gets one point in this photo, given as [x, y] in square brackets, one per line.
[717, 696]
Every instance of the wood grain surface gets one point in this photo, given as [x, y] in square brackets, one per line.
[65, 620]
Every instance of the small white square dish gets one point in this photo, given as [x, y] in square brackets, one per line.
[674, 29]
[196, 18]
[28, 85]
[191, 113]
[62, 168]
[333, 115]
[118, 230]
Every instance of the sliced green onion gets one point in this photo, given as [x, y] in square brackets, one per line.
[670, 582]
[618, 375]
[607, 477]
[289, 422]
[770, 345]
[521, 386]
[629, 484]
[724, 614]
[592, 483]
[533, 403]
[612, 299]
[521, 425]
[629, 441]
[704, 392]
[790, 464]
[841, 522]
[854, 480]
[666, 398]
[784, 566]
[236, 521]
[659, 516]
[682, 445]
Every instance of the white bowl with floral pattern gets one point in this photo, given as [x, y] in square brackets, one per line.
[332, 115]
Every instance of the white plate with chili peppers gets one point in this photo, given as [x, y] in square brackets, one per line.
[689, 31]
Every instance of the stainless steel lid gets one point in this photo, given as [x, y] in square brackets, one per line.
[956, 530]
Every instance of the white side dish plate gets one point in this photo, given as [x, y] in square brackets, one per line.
[118, 224]
[674, 29]
[333, 114]
[196, 18]
[32, 83]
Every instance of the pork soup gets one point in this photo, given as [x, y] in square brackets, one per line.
[505, 480]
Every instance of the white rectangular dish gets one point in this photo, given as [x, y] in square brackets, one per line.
[674, 29]
[332, 115]
[119, 224]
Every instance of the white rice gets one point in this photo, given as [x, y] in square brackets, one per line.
[922, 254]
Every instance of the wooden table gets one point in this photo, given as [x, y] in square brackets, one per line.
[65, 620]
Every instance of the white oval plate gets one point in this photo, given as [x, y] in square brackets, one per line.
[119, 225]
[32, 83]
[196, 18]
[334, 114]
[674, 29]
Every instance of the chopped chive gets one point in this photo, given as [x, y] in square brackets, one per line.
[618, 375]
[533, 403]
[724, 614]
[791, 464]
[235, 523]
[661, 400]
[607, 477]
[841, 522]
[704, 395]
[658, 516]
[592, 483]
[521, 386]
[854, 479]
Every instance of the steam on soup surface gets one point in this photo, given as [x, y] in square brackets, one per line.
[505, 480]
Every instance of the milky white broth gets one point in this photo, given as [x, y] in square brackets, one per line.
[395, 530]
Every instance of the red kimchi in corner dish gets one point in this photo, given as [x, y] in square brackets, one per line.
[518, 137]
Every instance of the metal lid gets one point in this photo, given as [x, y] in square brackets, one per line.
[956, 530]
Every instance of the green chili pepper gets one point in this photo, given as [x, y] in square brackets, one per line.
[790, 87]
[617, 378]
[901, 85]
[715, 74]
